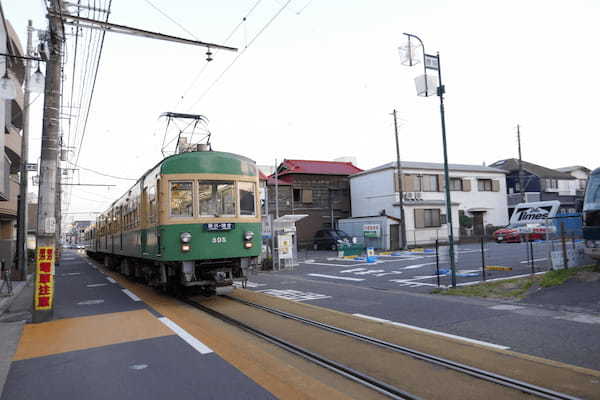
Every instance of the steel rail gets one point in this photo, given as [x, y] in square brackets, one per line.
[356, 376]
[456, 366]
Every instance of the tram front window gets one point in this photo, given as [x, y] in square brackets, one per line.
[247, 202]
[181, 199]
[216, 198]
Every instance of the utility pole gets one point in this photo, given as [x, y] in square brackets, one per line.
[400, 188]
[520, 166]
[21, 250]
[46, 216]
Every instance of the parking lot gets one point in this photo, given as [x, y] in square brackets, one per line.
[417, 270]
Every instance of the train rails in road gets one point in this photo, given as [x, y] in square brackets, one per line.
[367, 372]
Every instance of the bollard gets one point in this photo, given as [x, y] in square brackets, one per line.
[532, 258]
[482, 259]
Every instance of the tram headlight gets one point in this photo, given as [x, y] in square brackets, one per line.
[185, 237]
[248, 235]
[186, 247]
[247, 245]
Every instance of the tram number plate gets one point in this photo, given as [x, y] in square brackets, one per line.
[217, 227]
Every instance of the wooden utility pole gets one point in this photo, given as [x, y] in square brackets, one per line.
[400, 188]
[46, 216]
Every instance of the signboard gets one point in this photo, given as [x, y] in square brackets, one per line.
[534, 213]
[44, 278]
[432, 62]
[284, 246]
[574, 257]
[31, 167]
[371, 230]
[216, 227]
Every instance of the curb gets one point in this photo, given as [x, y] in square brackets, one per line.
[18, 286]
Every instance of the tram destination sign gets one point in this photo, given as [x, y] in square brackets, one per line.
[218, 227]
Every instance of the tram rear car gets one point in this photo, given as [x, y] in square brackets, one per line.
[192, 220]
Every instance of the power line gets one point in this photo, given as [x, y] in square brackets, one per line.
[101, 173]
[171, 19]
[241, 53]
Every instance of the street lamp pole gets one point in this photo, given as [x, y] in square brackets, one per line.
[433, 62]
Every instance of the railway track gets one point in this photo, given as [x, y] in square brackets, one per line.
[375, 383]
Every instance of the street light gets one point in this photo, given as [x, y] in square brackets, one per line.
[425, 87]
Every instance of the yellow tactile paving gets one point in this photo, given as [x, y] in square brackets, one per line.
[82, 333]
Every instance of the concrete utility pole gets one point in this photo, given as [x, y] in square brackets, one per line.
[400, 188]
[46, 217]
[521, 189]
[21, 250]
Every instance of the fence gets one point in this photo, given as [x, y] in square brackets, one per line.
[535, 251]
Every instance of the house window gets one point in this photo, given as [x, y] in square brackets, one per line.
[303, 195]
[456, 184]
[429, 183]
[551, 183]
[582, 183]
[484, 185]
[427, 218]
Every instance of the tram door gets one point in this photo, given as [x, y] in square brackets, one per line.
[144, 222]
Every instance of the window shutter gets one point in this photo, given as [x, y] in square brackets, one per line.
[307, 196]
[466, 185]
[440, 183]
[495, 185]
[419, 218]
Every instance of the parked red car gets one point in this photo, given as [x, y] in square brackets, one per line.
[511, 234]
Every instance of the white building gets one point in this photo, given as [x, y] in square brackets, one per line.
[477, 192]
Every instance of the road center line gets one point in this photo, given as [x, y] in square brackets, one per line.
[496, 346]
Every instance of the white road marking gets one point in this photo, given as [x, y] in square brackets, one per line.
[411, 283]
[370, 271]
[97, 284]
[390, 273]
[506, 307]
[111, 280]
[352, 270]
[336, 277]
[294, 295]
[138, 367]
[132, 295]
[90, 302]
[417, 266]
[583, 318]
[189, 339]
[496, 346]
[534, 260]
[72, 273]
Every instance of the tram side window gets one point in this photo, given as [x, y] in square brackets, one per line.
[216, 198]
[247, 201]
[181, 199]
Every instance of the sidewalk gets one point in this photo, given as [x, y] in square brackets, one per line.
[105, 342]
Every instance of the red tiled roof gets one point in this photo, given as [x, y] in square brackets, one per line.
[317, 167]
[271, 181]
[261, 176]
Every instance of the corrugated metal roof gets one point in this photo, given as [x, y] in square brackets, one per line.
[317, 167]
[432, 166]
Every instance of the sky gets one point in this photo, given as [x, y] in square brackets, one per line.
[319, 79]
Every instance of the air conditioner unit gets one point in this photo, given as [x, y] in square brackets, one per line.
[419, 196]
[409, 196]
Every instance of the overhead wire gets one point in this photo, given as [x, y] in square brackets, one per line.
[241, 53]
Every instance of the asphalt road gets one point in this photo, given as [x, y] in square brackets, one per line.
[397, 289]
